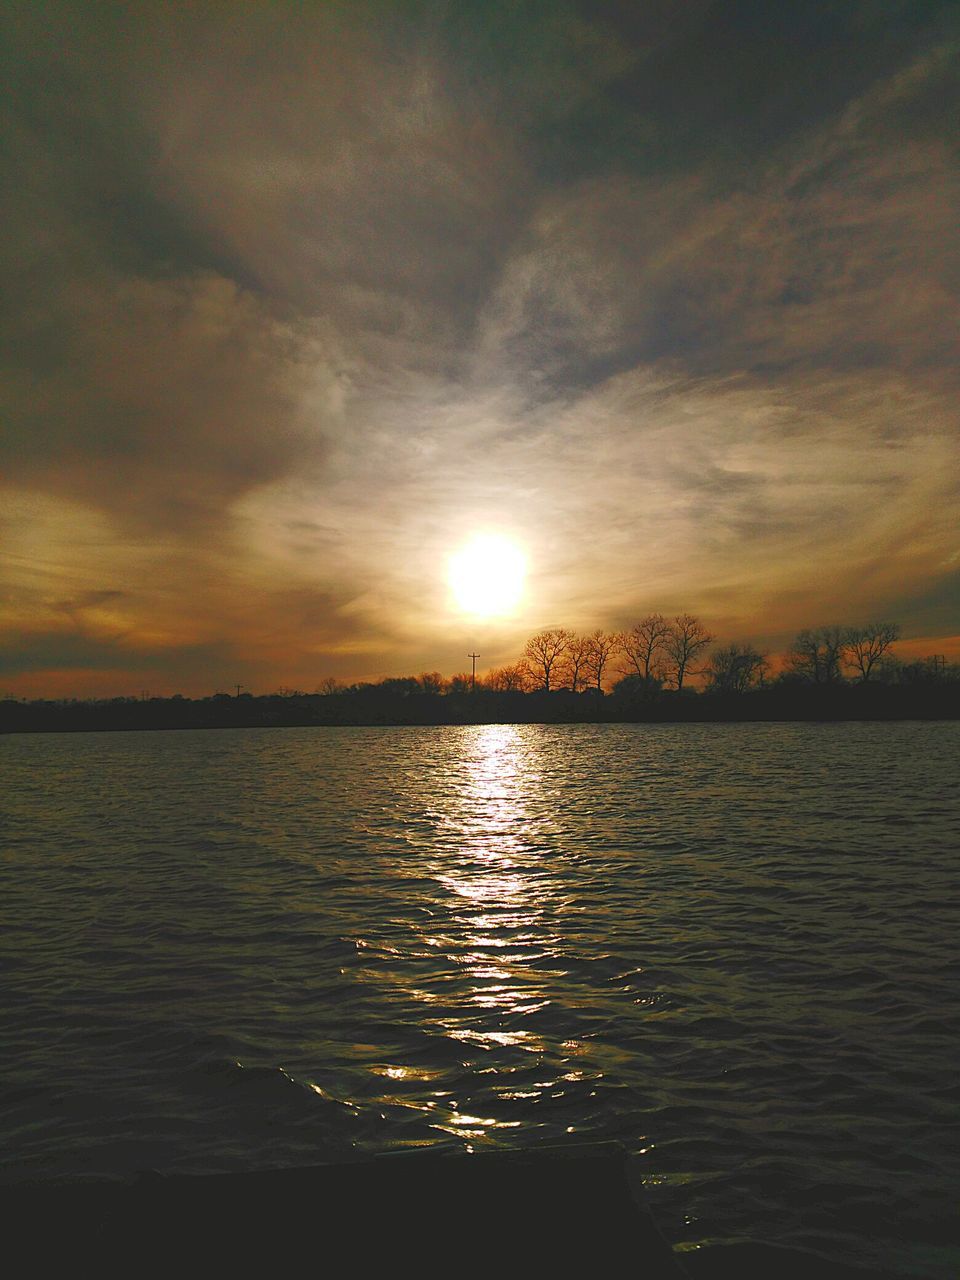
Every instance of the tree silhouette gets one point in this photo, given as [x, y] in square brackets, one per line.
[816, 654]
[643, 644]
[863, 647]
[686, 638]
[431, 682]
[735, 668]
[510, 679]
[544, 653]
[575, 661]
[601, 647]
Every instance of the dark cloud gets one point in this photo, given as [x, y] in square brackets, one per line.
[170, 399]
[24, 652]
[843, 251]
[935, 610]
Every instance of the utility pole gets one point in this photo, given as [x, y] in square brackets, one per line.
[238, 687]
[473, 673]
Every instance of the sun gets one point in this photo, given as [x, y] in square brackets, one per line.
[486, 576]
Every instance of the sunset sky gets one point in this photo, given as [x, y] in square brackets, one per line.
[299, 298]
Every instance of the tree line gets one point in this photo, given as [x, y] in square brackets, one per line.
[830, 672]
[664, 653]
[654, 649]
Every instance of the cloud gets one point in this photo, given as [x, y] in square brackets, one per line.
[295, 301]
[44, 651]
[167, 398]
[842, 251]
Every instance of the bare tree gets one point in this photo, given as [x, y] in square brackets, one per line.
[329, 686]
[544, 653]
[863, 647]
[601, 647]
[462, 682]
[686, 638]
[643, 644]
[431, 682]
[511, 679]
[816, 654]
[736, 668]
[930, 670]
[575, 662]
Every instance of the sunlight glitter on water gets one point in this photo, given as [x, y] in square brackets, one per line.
[486, 864]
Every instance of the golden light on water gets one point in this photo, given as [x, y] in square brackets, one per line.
[479, 959]
[498, 929]
[487, 575]
[501, 917]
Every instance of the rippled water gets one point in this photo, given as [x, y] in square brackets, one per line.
[732, 947]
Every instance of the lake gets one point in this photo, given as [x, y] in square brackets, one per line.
[734, 948]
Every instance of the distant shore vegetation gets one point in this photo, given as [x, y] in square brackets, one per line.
[659, 669]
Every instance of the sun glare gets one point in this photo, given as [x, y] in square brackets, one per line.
[486, 576]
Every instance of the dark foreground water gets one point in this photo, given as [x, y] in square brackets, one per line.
[732, 947]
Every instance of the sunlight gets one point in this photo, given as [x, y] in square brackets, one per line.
[485, 946]
[486, 576]
[499, 926]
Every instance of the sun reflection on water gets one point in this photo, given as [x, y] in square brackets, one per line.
[497, 876]
[476, 956]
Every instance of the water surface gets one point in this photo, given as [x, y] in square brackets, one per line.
[731, 947]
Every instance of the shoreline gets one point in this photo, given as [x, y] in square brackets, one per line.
[868, 704]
